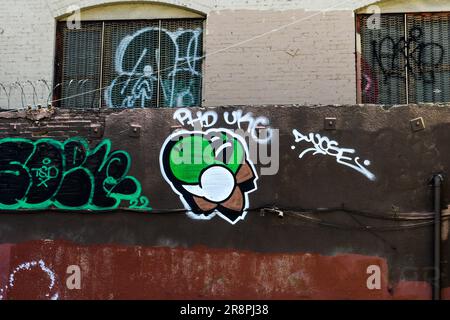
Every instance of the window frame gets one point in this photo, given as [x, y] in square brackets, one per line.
[58, 65]
[359, 51]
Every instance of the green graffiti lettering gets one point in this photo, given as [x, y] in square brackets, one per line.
[44, 174]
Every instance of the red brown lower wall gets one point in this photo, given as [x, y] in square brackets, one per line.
[119, 272]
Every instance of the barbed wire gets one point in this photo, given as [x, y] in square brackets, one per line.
[39, 93]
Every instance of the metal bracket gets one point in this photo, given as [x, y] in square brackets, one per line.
[135, 131]
[330, 123]
[96, 131]
[15, 129]
[417, 124]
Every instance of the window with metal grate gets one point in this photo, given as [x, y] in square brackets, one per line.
[405, 60]
[78, 64]
[130, 64]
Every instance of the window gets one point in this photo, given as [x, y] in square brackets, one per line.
[406, 60]
[129, 64]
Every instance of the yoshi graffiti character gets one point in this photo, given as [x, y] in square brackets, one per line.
[211, 172]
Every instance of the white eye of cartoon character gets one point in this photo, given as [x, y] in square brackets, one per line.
[216, 184]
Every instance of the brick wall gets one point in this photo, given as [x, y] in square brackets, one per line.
[275, 252]
[295, 64]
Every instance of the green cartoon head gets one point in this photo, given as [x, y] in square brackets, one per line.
[210, 171]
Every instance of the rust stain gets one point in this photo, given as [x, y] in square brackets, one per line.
[413, 290]
[445, 294]
[445, 224]
[119, 272]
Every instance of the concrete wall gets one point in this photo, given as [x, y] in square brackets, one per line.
[372, 170]
[298, 49]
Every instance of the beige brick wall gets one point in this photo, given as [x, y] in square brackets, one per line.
[26, 46]
[310, 61]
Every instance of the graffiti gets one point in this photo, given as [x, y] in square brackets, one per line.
[175, 69]
[47, 174]
[203, 120]
[27, 267]
[211, 172]
[246, 122]
[238, 118]
[370, 89]
[421, 58]
[325, 146]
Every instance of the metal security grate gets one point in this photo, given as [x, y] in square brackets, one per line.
[130, 68]
[429, 65]
[383, 61]
[181, 57]
[406, 60]
[138, 64]
[80, 65]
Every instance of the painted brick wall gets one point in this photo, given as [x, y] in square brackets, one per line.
[298, 63]
[165, 252]
[294, 64]
[26, 45]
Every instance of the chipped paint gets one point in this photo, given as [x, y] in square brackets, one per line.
[135, 272]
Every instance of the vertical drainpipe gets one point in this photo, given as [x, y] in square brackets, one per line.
[437, 237]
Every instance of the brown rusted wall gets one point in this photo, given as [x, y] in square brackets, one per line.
[167, 254]
[118, 272]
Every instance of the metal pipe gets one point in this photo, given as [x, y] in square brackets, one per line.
[437, 181]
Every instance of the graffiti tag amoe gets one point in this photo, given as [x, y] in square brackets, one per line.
[211, 172]
[66, 175]
[422, 58]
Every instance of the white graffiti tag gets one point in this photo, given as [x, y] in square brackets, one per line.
[239, 118]
[325, 146]
[244, 121]
[145, 69]
[26, 267]
[202, 120]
